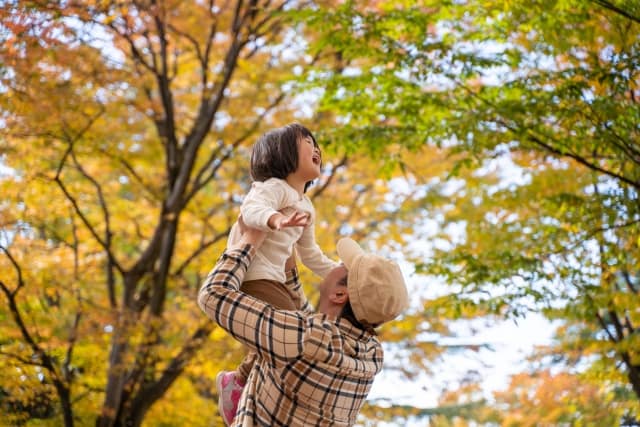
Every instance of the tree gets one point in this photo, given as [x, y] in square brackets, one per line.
[126, 127]
[539, 102]
[536, 399]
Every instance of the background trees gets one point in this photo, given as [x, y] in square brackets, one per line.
[538, 101]
[126, 128]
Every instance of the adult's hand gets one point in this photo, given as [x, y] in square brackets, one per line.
[249, 235]
[290, 263]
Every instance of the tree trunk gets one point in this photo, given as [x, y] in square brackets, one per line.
[65, 403]
[116, 374]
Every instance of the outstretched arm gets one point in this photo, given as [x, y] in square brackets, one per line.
[311, 255]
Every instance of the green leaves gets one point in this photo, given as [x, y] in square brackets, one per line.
[537, 106]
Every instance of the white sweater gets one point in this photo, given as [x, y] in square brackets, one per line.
[263, 200]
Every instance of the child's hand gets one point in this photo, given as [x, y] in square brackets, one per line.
[296, 219]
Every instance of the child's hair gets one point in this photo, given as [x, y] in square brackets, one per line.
[275, 154]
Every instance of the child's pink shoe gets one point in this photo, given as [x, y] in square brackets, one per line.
[229, 392]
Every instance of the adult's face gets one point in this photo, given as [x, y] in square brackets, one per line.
[333, 289]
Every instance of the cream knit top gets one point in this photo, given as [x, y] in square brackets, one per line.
[263, 200]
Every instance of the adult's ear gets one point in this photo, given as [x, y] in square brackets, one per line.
[339, 296]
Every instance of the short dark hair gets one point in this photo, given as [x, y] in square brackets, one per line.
[275, 154]
[348, 314]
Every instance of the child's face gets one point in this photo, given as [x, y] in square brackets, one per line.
[309, 159]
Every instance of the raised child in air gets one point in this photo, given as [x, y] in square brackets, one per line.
[284, 162]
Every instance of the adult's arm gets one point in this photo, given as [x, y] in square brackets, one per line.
[273, 334]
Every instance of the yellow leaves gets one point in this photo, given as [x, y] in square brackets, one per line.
[110, 17]
[190, 401]
[625, 301]
[218, 334]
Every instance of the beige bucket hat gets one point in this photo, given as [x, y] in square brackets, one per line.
[377, 290]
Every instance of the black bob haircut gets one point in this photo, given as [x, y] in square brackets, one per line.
[275, 154]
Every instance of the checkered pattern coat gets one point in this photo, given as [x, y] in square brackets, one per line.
[311, 371]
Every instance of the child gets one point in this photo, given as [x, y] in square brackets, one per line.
[284, 162]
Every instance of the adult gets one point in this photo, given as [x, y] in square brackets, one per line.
[313, 368]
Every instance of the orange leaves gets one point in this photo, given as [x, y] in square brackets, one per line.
[547, 399]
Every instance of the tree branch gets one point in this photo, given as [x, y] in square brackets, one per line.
[329, 180]
[70, 346]
[627, 148]
[203, 121]
[137, 55]
[203, 246]
[103, 206]
[603, 325]
[561, 153]
[45, 361]
[18, 269]
[614, 8]
[78, 211]
[520, 129]
[155, 390]
[166, 124]
[629, 282]
[129, 167]
[214, 163]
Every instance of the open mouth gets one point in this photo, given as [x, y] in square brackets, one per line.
[316, 160]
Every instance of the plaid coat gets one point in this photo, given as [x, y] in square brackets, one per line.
[311, 370]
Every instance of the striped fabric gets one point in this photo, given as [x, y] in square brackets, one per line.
[311, 371]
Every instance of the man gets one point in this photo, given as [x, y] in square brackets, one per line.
[313, 369]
